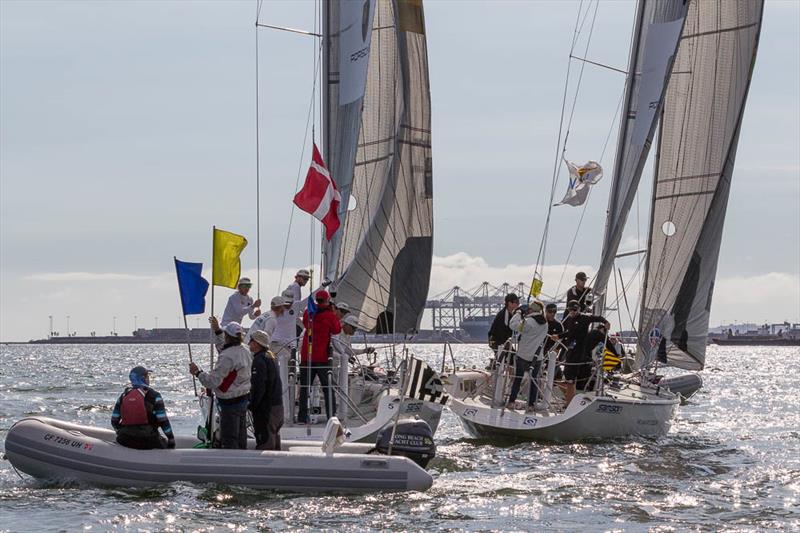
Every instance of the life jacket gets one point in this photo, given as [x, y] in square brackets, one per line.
[133, 409]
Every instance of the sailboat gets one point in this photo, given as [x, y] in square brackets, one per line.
[377, 144]
[689, 73]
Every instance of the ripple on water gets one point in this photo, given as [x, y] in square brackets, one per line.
[731, 461]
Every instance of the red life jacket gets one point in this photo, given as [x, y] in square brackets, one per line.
[133, 410]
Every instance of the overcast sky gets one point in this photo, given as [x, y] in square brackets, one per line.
[127, 130]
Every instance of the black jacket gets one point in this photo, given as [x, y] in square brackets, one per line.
[266, 389]
[583, 297]
[499, 332]
[554, 327]
[576, 329]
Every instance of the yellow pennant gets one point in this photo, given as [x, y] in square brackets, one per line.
[226, 265]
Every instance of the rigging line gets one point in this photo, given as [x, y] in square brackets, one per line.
[299, 173]
[556, 165]
[258, 172]
[559, 161]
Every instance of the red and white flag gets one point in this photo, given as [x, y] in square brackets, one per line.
[319, 195]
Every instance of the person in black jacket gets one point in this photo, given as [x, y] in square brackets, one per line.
[578, 366]
[266, 394]
[500, 332]
[580, 293]
[138, 414]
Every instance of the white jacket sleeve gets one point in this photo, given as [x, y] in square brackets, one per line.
[213, 379]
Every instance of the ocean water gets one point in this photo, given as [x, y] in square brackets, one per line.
[730, 462]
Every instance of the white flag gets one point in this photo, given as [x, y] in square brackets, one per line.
[580, 179]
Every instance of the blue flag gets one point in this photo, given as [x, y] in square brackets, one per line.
[311, 306]
[192, 286]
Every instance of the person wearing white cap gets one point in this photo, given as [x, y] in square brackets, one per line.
[230, 381]
[343, 342]
[530, 326]
[300, 281]
[280, 325]
[341, 309]
[266, 393]
[240, 304]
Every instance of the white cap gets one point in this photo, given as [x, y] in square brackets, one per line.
[288, 295]
[303, 273]
[245, 281]
[261, 337]
[342, 306]
[233, 329]
[279, 301]
[351, 320]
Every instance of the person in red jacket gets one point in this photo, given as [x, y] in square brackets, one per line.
[320, 325]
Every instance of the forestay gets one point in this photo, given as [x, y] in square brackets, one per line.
[697, 147]
[380, 260]
[658, 28]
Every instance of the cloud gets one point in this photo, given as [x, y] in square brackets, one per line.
[84, 276]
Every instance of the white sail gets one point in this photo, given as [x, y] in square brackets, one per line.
[699, 133]
[658, 28]
[380, 259]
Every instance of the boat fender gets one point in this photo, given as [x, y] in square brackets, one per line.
[413, 438]
[334, 435]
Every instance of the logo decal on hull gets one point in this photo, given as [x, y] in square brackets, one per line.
[470, 412]
[610, 409]
[529, 421]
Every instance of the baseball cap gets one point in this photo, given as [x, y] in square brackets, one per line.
[303, 273]
[573, 304]
[551, 307]
[233, 329]
[322, 296]
[245, 281]
[279, 301]
[581, 276]
[342, 306]
[261, 337]
[351, 320]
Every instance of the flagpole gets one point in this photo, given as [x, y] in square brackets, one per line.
[185, 325]
[211, 336]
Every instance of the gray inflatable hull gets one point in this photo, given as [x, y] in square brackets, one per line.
[52, 450]
[685, 385]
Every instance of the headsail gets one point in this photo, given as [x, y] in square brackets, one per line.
[658, 28]
[699, 133]
[380, 260]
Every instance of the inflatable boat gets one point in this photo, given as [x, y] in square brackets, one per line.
[59, 451]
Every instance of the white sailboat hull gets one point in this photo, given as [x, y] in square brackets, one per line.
[623, 412]
[49, 449]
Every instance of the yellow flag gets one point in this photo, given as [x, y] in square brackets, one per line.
[226, 265]
[536, 285]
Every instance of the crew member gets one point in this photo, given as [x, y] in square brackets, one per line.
[531, 326]
[138, 414]
[343, 342]
[320, 326]
[266, 393]
[230, 381]
[241, 304]
[554, 329]
[580, 293]
[500, 331]
[341, 309]
[300, 281]
[578, 368]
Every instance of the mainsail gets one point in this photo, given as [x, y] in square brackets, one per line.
[699, 133]
[379, 151]
[658, 28]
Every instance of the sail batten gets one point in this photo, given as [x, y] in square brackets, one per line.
[697, 149]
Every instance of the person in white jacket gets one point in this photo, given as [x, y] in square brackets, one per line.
[530, 327]
[343, 342]
[240, 303]
[300, 281]
[230, 381]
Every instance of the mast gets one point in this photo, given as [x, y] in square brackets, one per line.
[326, 108]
